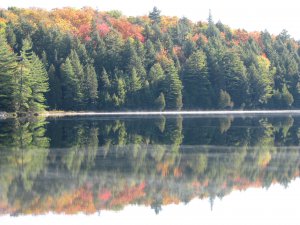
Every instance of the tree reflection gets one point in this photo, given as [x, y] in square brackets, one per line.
[85, 165]
[24, 150]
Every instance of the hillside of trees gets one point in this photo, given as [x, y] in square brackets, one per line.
[83, 59]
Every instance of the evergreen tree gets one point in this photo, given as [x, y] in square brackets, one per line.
[160, 102]
[119, 93]
[31, 81]
[54, 96]
[98, 53]
[184, 27]
[114, 45]
[155, 15]
[261, 78]
[81, 52]
[39, 84]
[77, 68]
[24, 79]
[156, 74]
[235, 79]
[10, 35]
[8, 70]
[71, 93]
[215, 52]
[105, 90]
[132, 60]
[150, 54]
[197, 91]
[212, 30]
[172, 87]
[90, 87]
[134, 82]
[134, 87]
[44, 60]
[287, 97]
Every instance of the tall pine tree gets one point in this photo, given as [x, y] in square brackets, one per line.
[8, 70]
[197, 91]
[172, 87]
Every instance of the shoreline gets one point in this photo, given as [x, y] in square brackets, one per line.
[220, 113]
[169, 113]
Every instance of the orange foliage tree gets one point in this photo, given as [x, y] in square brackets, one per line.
[127, 29]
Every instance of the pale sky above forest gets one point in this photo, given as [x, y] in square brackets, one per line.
[251, 15]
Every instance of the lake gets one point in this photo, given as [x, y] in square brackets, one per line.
[157, 169]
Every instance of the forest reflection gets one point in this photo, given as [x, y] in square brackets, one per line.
[78, 164]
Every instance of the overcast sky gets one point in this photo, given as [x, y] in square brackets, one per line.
[251, 15]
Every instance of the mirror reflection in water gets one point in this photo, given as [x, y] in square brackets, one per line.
[74, 165]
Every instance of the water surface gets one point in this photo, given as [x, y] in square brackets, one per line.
[161, 167]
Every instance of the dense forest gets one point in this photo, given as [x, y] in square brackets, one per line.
[83, 59]
[84, 165]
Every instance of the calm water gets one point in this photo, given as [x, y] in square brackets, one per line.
[150, 170]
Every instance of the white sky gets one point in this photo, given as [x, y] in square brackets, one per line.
[273, 15]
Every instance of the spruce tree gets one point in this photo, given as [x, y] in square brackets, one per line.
[104, 90]
[197, 91]
[261, 79]
[156, 74]
[134, 82]
[235, 79]
[90, 87]
[78, 72]
[287, 97]
[71, 92]
[155, 15]
[134, 86]
[150, 54]
[172, 87]
[54, 96]
[133, 60]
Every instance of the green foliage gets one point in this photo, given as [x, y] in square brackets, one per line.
[31, 82]
[287, 97]
[172, 87]
[90, 87]
[235, 77]
[225, 100]
[155, 15]
[72, 95]
[39, 85]
[54, 96]
[160, 102]
[8, 70]
[261, 81]
[195, 77]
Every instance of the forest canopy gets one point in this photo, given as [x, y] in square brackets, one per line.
[83, 59]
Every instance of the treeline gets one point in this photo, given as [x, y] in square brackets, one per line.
[69, 59]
